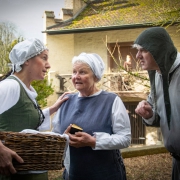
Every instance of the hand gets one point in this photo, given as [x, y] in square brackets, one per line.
[144, 109]
[80, 139]
[67, 131]
[6, 156]
[58, 103]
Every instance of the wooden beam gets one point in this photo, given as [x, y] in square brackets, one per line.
[143, 151]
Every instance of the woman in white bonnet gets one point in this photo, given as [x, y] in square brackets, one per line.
[19, 109]
[93, 154]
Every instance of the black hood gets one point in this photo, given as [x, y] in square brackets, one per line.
[157, 41]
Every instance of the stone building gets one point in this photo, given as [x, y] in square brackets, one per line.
[108, 29]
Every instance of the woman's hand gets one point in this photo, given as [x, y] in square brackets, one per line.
[58, 103]
[6, 156]
[144, 109]
[80, 139]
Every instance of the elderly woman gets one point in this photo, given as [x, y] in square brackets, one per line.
[19, 109]
[94, 153]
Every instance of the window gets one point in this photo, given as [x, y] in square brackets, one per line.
[120, 52]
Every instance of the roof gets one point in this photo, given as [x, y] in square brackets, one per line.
[105, 15]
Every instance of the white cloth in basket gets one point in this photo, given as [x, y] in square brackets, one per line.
[49, 133]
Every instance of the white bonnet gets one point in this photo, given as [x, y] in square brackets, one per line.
[25, 50]
[94, 61]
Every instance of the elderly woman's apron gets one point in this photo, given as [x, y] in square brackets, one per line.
[93, 114]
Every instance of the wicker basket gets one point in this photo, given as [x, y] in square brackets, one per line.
[39, 151]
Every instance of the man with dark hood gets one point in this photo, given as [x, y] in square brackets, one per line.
[158, 55]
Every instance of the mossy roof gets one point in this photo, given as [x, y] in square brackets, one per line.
[104, 14]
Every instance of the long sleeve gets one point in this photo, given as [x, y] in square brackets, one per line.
[155, 120]
[121, 129]
[150, 120]
[9, 94]
[56, 122]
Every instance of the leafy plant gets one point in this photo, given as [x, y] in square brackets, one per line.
[8, 39]
[44, 90]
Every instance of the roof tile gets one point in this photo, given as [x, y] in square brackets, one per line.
[105, 14]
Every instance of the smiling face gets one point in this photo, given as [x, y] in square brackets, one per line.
[38, 66]
[83, 79]
[146, 60]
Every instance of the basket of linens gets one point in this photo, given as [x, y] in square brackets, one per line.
[38, 150]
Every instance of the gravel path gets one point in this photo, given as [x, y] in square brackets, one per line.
[151, 167]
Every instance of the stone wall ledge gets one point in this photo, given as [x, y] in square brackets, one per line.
[143, 151]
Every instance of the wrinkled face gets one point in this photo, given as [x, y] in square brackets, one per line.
[146, 60]
[83, 78]
[39, 65]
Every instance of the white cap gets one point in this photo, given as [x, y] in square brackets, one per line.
[25, 50]
[94, 61]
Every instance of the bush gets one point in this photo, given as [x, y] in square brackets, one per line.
[43, 90]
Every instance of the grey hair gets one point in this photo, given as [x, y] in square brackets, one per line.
[137, 46]
[82, 62]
